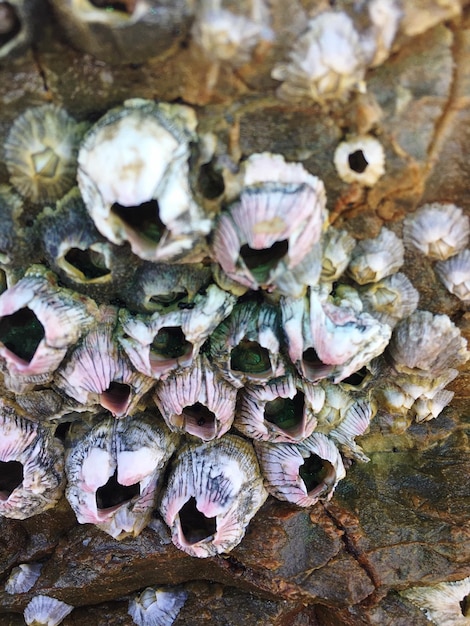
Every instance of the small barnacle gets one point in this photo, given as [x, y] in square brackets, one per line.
[360, 160]
[425, 409]
[355, 422]
[31, 466]
[444, 604]
[391, 299]
[374, 259]
[20, 23]
[23, 577]
[326, 63]
[41, 153]
[157, 607]
[197, 400]
[133, 176]
[114, 472]
[213, 491]
[437, 230]
[301, 473]
[337, 248]
[46, 611]
[454, 273]
[282, 410]
[98, 373]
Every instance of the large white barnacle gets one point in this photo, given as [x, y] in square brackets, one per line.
[31, 466]
[114, 472]
[23, 577]
[373, 259]
[46, 611]
[157, 606]
[391, 299]
[437, 230]
[444, 604]
[302, 473]
[213, 491]
[360, 160]
[326, 63]
[41, 152]
[133, 176]
[454, 273]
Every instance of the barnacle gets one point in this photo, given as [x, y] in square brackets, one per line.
[444, 604]
[23, 577]
[374, 259]
[454, 273]
[360, 160]
[46, 611]
[157, 606]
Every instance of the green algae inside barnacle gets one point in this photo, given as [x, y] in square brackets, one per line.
[21, 332]
[250, 357]
[171, 343]
[143, 219]
[286, 413]
[261, 262]
[316, 471]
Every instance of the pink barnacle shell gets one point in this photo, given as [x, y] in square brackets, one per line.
[97, 372]
[39, 321]
[197, 400]
[301, 473]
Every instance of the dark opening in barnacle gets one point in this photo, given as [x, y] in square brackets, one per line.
[10, 24]
[357, 161]
[89, 262]
[286, 413]
[11, 477]
[261, 262]
[211, 182]
[195, 526]
[126, 6]
[21, 332]
[168, 299]
[318, 474]
[116, 398]
[356, 378]
[199, 421]
[313, 368]
[113, 493]
[251, 358]
[169, 343]
[143, 219]
[465, 606]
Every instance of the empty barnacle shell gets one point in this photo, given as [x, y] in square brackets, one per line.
[417, 385]
[197, 400]
[391, 299]
[31, 463]
[326, 63]
[213, 491]
[78, 253]
[246, 346]
[133, 176]
[425, 409]
[337, 248]
[23, 577]
[282, 410]
[437, 230]
[329, 341]
[454, 273]
[114, 472]
[426, 344]
[302, 473]
[374, 259]
[360, 160]
[97, 372]
[46, 611]
[444, 604]
[41, 152]
[169, 340]
[39, 321]
[355, 422]
[163, 288]
[20, 23]
[157, 606]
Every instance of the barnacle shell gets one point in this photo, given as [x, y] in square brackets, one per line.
[301, 473]
[157, 607]
[41, 151]
[114, 472]
[337, 248]
[31, 461]
[213, 491]
[97, 371]
[23, 577]
[168, 340]
[326, 62]
[374, 259]
[425, 409]
[20, 22]
[444, 604]
[355, 422]
[437, 230]
[385, 16]
[46, 611]
[454, 273]
[39, 321]
[282, 410]
[197, 400]
[246, 346]
[427, 345]
[391, 299]
[133, 176]
[360, 160]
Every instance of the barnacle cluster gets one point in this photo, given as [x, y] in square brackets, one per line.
[160, 355]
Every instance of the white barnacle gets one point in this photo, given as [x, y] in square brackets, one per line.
[23, 577]
[326, 63]
[374, 259]
[454, 273]
[444, 604]
[337, 249]
[391, 299]
[157, 606]
[360, 160]
[46, 611]
[437, 230]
